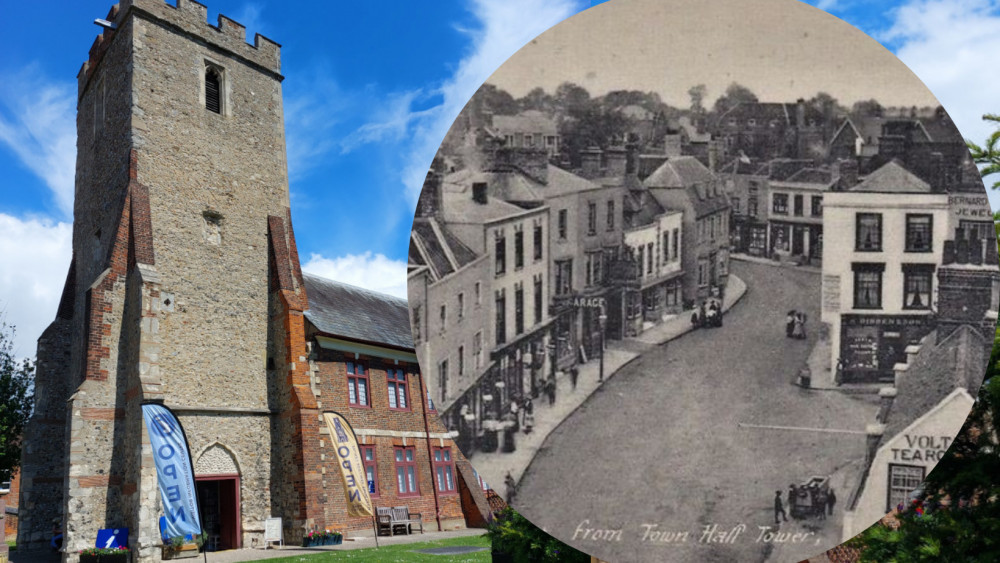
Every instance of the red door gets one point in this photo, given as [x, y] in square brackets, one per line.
[219, 496]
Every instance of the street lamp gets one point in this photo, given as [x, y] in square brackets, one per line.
[602, 319]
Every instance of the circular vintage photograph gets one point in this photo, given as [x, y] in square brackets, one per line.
[703, 281]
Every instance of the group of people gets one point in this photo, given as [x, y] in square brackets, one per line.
[709, 314]
[795, 325]
[816, 501]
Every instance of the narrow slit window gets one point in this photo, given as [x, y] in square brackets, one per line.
[213, 91]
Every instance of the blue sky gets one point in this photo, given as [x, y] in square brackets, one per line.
[371, 88]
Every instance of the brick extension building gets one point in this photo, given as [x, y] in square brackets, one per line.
[185, 289]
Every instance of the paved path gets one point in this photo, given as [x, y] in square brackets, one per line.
[693, 434]
[493, 467]
[236, 555]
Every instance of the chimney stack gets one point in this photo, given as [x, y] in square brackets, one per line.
[590, 162]
[534, 162]
[480, 193]
[966, 281]
[632, 158]
[937, 173]
[429, 201]
[873, 437]
[617, 159]
[713, 155]
[848, 170]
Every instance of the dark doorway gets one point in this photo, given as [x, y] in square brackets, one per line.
[797, 240]
[219, 496]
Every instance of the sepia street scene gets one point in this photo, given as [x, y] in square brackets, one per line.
[728, 320]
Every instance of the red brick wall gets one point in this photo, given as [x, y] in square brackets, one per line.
[332, 383]
[10, 499]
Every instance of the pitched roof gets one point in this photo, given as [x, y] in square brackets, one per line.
[433, 244]
[507, 184]
[679, 172]
[531, 121]
[458, 207]
[563, 182]
[942, 130]
[643, 208]
[892, 178]
[766, 112]
[808, 178]
[355, 313]
[938, 369]
[688, 173]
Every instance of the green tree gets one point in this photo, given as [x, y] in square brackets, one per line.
[956, 517]
[988, 155]
[16, 401]
[513, 535]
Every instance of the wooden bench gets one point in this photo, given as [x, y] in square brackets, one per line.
[391, 519]
[401, 516]
[383, 516]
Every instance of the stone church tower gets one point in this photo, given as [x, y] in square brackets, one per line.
[184, 288]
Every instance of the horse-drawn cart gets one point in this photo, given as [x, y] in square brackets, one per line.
[810, 497]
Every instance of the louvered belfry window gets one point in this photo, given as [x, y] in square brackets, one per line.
[213, 99]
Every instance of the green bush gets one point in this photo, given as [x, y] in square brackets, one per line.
[514, 535]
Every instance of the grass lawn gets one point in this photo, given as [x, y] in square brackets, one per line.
[404, 553]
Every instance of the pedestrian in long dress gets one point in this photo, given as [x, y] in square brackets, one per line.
[798, 331]
[515, 416]
[831, 499]
[789, 323]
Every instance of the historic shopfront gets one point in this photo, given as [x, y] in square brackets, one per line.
[870, 345]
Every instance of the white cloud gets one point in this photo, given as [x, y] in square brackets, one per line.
[38, 124]
[952, 46]
[504, 28]
[34, 259]
[370, 271]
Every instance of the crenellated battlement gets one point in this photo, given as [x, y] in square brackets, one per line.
[190, 18]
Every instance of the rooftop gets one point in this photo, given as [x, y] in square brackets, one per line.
[893, 178]
[434, 245]
[688, 173]
[531, 121]
[938, 369]
[359, 314]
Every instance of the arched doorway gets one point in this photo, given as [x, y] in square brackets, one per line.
[217, 478]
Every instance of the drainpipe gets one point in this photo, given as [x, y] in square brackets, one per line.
[430, 453]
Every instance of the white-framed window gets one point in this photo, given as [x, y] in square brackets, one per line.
[903, 480]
